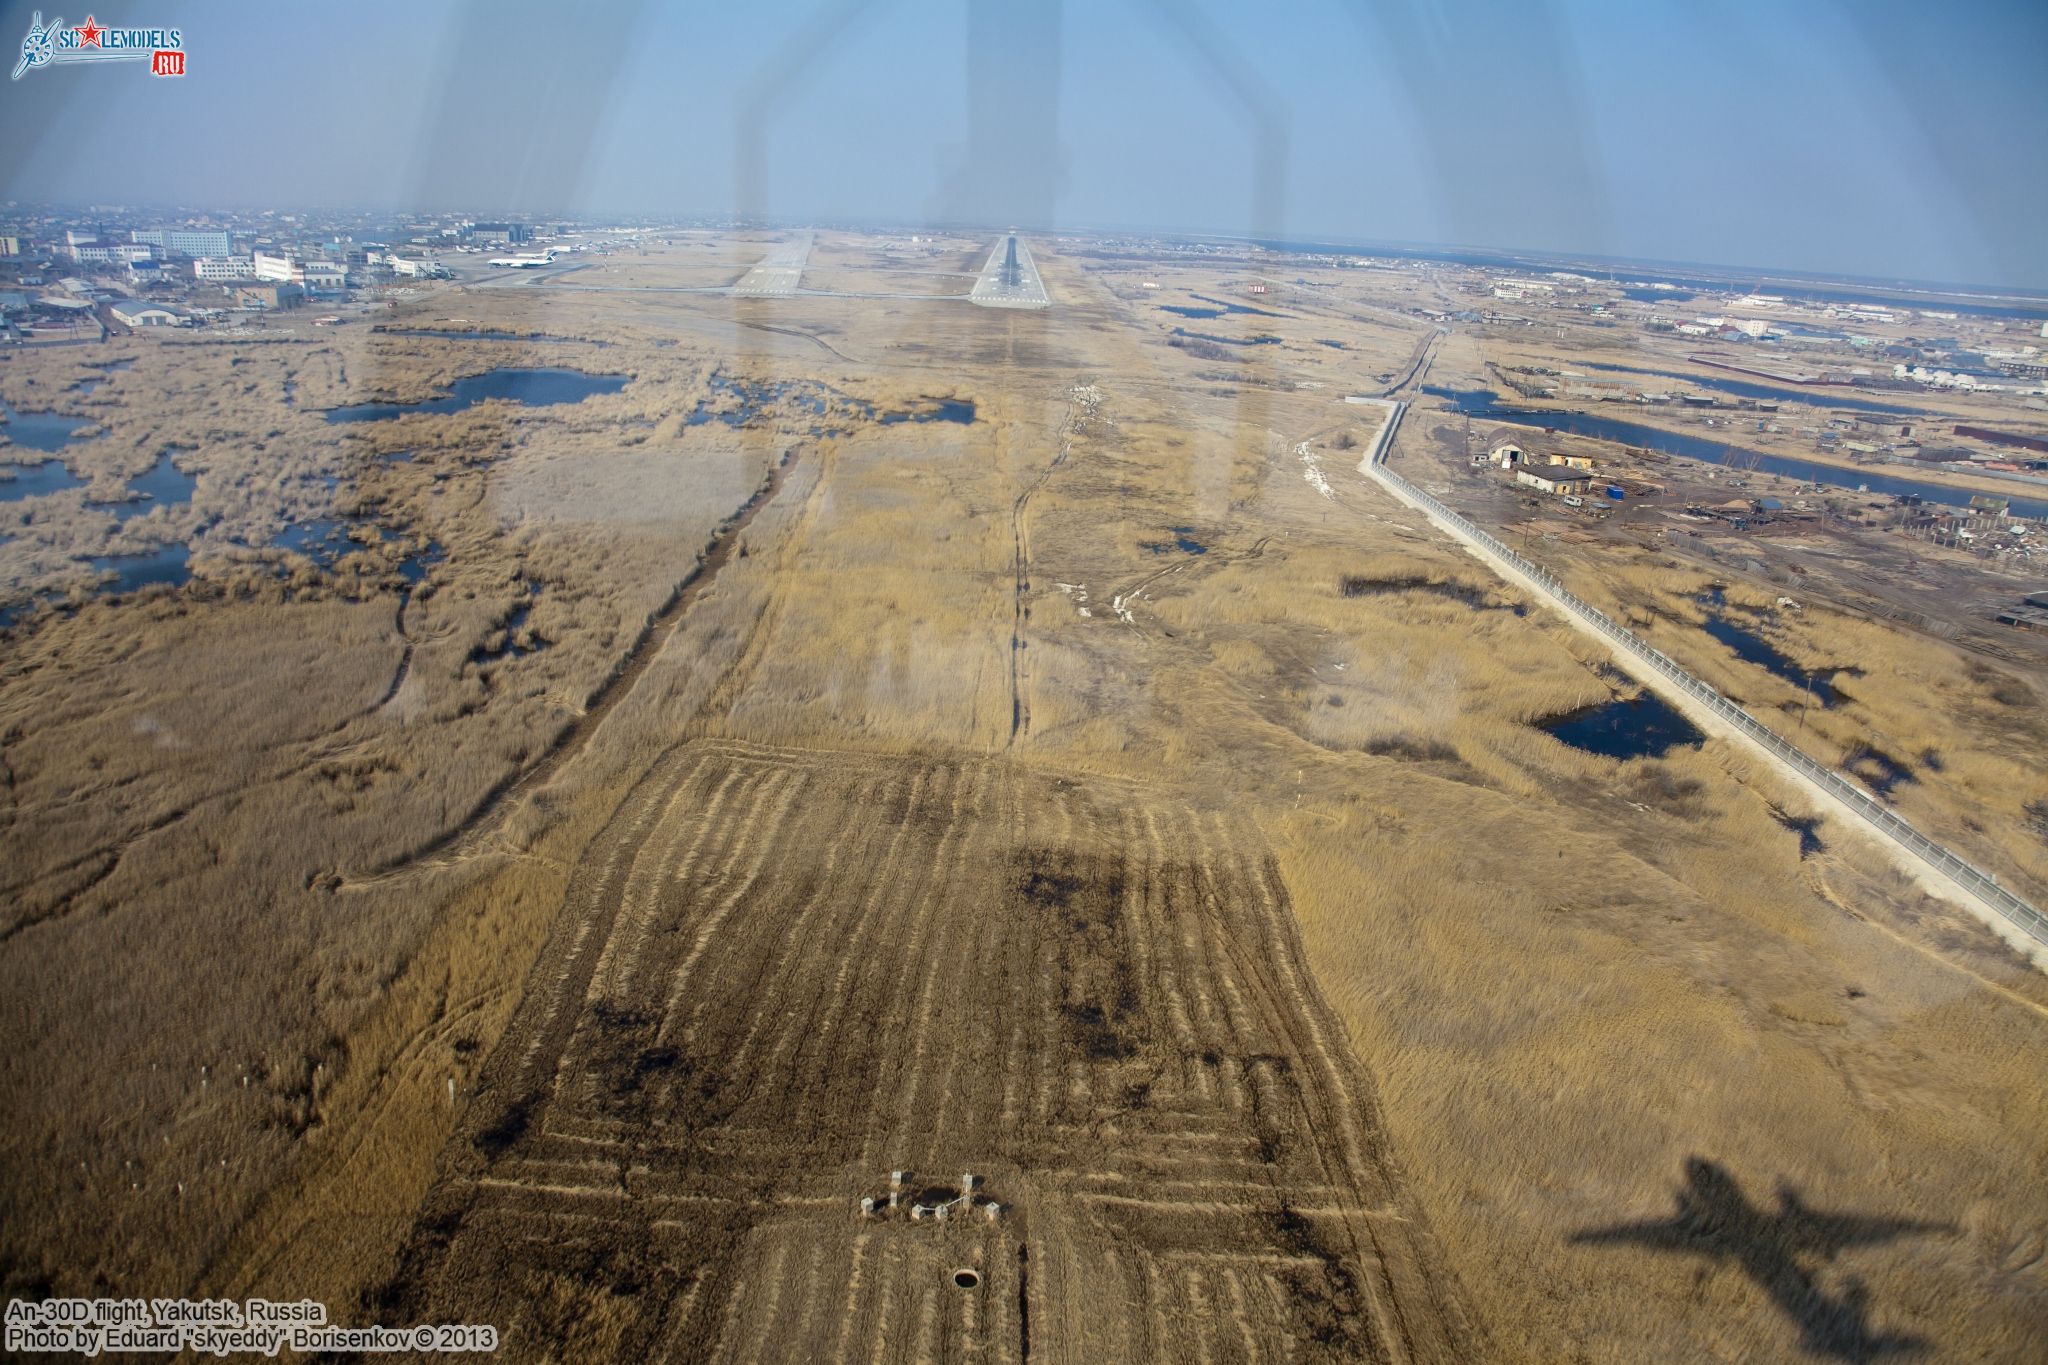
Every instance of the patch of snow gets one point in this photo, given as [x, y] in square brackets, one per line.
[1312, 470]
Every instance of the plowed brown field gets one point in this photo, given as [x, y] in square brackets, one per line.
[785, 975]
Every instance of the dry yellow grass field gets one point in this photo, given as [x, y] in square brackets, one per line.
[1115, 796]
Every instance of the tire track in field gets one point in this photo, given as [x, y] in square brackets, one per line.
[629, 941]
[785, 792]
[811, 1054]
[942, 966]
[1020, 572]
[460, 840]
[896, 1086]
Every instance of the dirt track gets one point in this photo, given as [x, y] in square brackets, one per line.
[782, 975]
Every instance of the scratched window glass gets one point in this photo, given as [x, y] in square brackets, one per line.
[940, 680]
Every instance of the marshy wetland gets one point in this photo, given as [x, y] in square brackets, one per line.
[833, 736]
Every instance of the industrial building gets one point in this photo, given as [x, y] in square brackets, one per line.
[321, 275]
[269, 294]
[507, 233]
[411, 269]
[185, 242]
[136, 313]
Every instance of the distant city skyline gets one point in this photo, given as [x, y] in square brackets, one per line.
[1872, 139]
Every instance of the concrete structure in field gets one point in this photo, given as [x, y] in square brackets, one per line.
[777, 273]
[1010, 279]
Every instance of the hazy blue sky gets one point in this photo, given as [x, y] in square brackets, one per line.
[1857, 136]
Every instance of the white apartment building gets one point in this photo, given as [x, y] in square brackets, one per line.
[269, 267]
[224, 268]
[310, 274]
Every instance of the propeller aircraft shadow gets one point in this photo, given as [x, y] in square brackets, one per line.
[1714, 1218]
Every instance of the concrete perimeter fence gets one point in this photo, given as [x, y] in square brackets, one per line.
[2023, 916]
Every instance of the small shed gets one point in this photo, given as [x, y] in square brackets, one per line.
[1509, 446]
[1554, 478]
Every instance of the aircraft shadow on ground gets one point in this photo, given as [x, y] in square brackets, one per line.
[1778, 1251]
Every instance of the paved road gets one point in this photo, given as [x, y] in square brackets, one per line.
[523, 277]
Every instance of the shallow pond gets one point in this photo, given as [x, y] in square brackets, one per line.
[538, 387]
[1754, 648]
[46, 431]
[166, 564]
[324, 540]
[751, 400]
[1263, 339]
[514, 644]
[943, 410]
[1643, 726]
[1227, 306]
[35, 480]
[163, 484]
[1183, 540]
